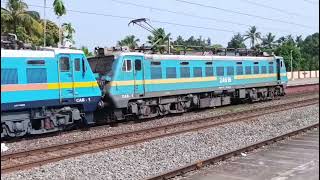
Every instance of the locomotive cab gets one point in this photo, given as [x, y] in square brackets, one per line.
[46, 91]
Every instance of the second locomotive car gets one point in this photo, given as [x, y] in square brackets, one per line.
[147, 85]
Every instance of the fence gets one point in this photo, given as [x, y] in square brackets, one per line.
[303, 74]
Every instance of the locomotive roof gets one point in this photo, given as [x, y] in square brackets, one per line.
[195, 57]
[45, 52]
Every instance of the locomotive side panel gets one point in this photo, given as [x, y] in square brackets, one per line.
[191, 82]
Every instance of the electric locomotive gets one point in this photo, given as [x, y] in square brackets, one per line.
[46, 91]
[138, 85]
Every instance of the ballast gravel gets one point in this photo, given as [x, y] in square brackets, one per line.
[106, 130]
[205, 170]
[160, 155]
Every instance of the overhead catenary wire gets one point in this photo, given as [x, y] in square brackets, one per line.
[130, 18]
[81, 12]
[245, 14]
[192, 15]
[311, 2]
[283, 11]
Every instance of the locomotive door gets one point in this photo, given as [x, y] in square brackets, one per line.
[78, 72]
[138, 77]
[66, 78]
[278, 69]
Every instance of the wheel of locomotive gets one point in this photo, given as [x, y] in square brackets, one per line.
[162, 110]
[264, 95]
[278, 93]
[271, 93]
[154, 112]
[180, 106]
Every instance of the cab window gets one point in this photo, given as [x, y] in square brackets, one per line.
[77, 64]
[64, 64]
[126, 66]
[137, 65]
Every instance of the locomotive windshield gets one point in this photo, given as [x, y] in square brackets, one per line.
[101, 65]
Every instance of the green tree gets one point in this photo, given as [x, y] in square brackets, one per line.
[191, 41]
[86, 51]
[253, 36]
[179, 41]
[281, 40]
[299, 40]
[192, 44]
[52, 34]
[68, 32]
[201, 42]
[59, 10]
[130, 41]
[216, 46]
[269, 41]
[159, 39]
[209, 42]
[237, 41]
[284, 50]
[310, 52]
[15, 18]
[290, 39]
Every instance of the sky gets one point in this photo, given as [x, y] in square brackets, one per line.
[299, 17]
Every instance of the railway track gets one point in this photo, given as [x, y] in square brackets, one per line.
[197, 165]
[37, 157]
[291, 92]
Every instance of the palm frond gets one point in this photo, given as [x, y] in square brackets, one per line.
[6, 15]
[30, 24]
[34, 14]
[59, 8]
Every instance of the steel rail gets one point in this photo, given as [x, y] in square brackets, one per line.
[19, 160]
[291, 91]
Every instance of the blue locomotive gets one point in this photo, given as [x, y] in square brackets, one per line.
[45, 91]
[148, 85]
[53, 89]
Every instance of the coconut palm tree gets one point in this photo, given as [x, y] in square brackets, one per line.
[281, 40]
[268, 41]
[290, 39]
[129, 41]
[59, 10]
[299, 41]
[15, 17]
[158, 39]
[237, 41]
[68, 31]
[253, 36]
